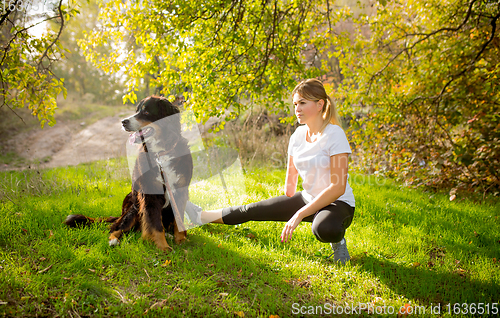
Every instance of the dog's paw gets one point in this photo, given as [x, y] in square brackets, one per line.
[181, 240]
[114, 242]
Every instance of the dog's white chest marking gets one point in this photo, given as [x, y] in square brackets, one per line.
[169, 174]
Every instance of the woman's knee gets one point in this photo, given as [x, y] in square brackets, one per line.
[328, 233]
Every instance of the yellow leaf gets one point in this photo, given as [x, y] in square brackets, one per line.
[167, 262]
[240, 314]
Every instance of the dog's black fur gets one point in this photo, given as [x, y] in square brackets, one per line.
[144, 208]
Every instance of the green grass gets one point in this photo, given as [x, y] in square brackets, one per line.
[11, 158]
[407, 247]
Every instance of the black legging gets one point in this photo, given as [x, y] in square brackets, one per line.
[328, 224]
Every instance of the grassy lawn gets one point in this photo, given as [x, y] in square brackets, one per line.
[408, 247]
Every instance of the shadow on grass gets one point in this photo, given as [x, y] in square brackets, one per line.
[464, 228]
[207, 276]
[429, 286]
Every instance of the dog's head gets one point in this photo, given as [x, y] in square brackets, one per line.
[147, 121]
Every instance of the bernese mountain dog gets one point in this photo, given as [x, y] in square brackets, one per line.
[158, 198]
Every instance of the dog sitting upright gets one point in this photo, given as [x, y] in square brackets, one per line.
[156, 202]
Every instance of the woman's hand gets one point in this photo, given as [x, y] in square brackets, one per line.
[290, 226]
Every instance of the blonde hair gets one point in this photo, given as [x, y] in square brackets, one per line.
[313, 90]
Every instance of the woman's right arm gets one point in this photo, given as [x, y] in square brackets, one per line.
[292, 176]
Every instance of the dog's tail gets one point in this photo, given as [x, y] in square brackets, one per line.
[78, 220]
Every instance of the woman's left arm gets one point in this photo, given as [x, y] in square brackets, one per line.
[338, 181]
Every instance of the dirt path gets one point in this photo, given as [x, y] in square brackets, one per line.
[65, 144]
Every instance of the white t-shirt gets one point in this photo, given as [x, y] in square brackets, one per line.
[312, 160]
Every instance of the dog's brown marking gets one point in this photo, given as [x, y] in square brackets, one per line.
[179, 237]
[157, 237]
[116, 235]
[144, 123]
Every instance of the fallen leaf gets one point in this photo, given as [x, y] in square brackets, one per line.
[223, 294]
[453, 197]
[159, 304]
[461, 271]
[42, 259]
[416, 264]
[167, 263]
[250, 236]
[274, 316]
[44, 270]
[240, 314]
[92, 270]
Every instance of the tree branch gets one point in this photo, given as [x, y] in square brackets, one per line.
[426, 36]
[59, 9]
[7, 12]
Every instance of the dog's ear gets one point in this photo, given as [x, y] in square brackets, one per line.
[141, 103]
[166, 107]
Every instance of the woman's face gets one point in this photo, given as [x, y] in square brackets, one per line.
[305, 110]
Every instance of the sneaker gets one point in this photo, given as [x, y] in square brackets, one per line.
[194, 213]
[340, 252]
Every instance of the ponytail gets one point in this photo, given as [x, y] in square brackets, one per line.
[330, 114]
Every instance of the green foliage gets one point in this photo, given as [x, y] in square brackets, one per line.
[80, 76]
[26, 78]
[425, 74]
[422, 74]
[222, 53]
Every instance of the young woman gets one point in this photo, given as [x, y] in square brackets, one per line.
[318, 152]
